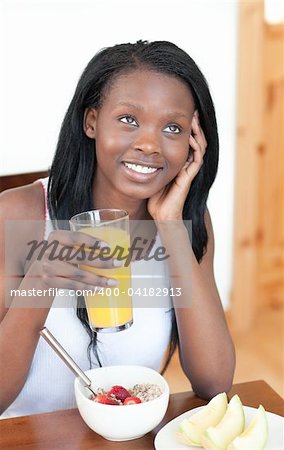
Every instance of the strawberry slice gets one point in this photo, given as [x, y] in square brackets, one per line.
[119, 392]
[131, 401]
[106, 400]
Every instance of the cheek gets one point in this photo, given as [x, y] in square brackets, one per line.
[111, 143]
[176, 156]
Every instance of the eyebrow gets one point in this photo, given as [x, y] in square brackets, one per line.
[170, 114]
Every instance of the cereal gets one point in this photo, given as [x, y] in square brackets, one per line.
[146, 392]
[141, 392]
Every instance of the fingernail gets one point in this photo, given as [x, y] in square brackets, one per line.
[103, 244]
[111, 282]
[117, 263]
[95, 289]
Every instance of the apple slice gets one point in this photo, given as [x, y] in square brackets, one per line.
[191, 430]
[255, 435]
[231, 425]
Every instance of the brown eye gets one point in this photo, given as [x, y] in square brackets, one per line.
[129, 120]
[173, 129]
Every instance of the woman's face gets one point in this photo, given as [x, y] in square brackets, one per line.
[142, 133]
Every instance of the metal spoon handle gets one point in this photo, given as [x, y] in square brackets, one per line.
[61, 352]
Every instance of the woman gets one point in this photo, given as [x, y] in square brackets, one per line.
[137, 107]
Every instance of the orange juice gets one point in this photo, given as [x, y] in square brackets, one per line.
[111, 307]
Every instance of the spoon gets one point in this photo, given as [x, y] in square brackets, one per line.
[66, 358]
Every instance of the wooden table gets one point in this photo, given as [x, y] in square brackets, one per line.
[65, 430]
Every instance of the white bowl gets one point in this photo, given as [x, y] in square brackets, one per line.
[125, 422]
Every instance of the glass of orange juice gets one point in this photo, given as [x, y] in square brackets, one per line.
[109, 308]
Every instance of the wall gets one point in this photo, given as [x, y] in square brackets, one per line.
[46, 44]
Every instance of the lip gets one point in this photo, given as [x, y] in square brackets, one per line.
[140, 177]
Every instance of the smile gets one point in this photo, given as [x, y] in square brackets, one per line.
[140, 169]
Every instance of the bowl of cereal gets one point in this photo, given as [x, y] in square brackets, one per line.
[129, 401]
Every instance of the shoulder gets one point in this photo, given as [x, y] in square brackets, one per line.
[22, 219]
[25, 202]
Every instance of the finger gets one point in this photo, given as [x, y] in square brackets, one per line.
[203, 138]
[94, 258]
[197, 162]
[71, 273]
[192, 170]
[68, 284]
[185, 177]
[197, 144]
[197, 150]
[198, 133]
[76, 238]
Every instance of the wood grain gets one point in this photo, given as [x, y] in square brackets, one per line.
[248, 144]
[258, 273]
[271, 172]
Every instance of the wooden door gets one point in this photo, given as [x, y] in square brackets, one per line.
[259, 191]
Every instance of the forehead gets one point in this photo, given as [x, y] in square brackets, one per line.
[150, 87]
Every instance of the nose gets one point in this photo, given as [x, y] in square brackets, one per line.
[147, 142]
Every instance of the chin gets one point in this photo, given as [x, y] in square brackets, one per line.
[140, 194]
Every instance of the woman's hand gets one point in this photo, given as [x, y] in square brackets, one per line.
[167, 204]
[70, 260]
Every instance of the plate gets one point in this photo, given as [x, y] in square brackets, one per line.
[167, 440]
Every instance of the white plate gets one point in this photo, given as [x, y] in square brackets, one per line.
[166, 438]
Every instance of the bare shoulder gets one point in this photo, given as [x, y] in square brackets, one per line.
[21, 220]
[25, 202]
[24, 208]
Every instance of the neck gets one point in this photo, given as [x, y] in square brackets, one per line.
[137, 209]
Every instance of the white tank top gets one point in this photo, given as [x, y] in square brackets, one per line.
[49, 386]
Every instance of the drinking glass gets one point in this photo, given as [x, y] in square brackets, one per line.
[109, 308]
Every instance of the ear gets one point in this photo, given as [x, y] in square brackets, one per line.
[90, 122]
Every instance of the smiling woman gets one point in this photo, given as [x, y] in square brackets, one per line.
[141, 142]
[140, 135]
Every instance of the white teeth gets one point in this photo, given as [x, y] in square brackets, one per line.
[140, 169]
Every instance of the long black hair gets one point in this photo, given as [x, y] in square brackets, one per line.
[72, 171]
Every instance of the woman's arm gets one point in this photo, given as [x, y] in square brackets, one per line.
[19, 328]
[21, 318]
[206, 350]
